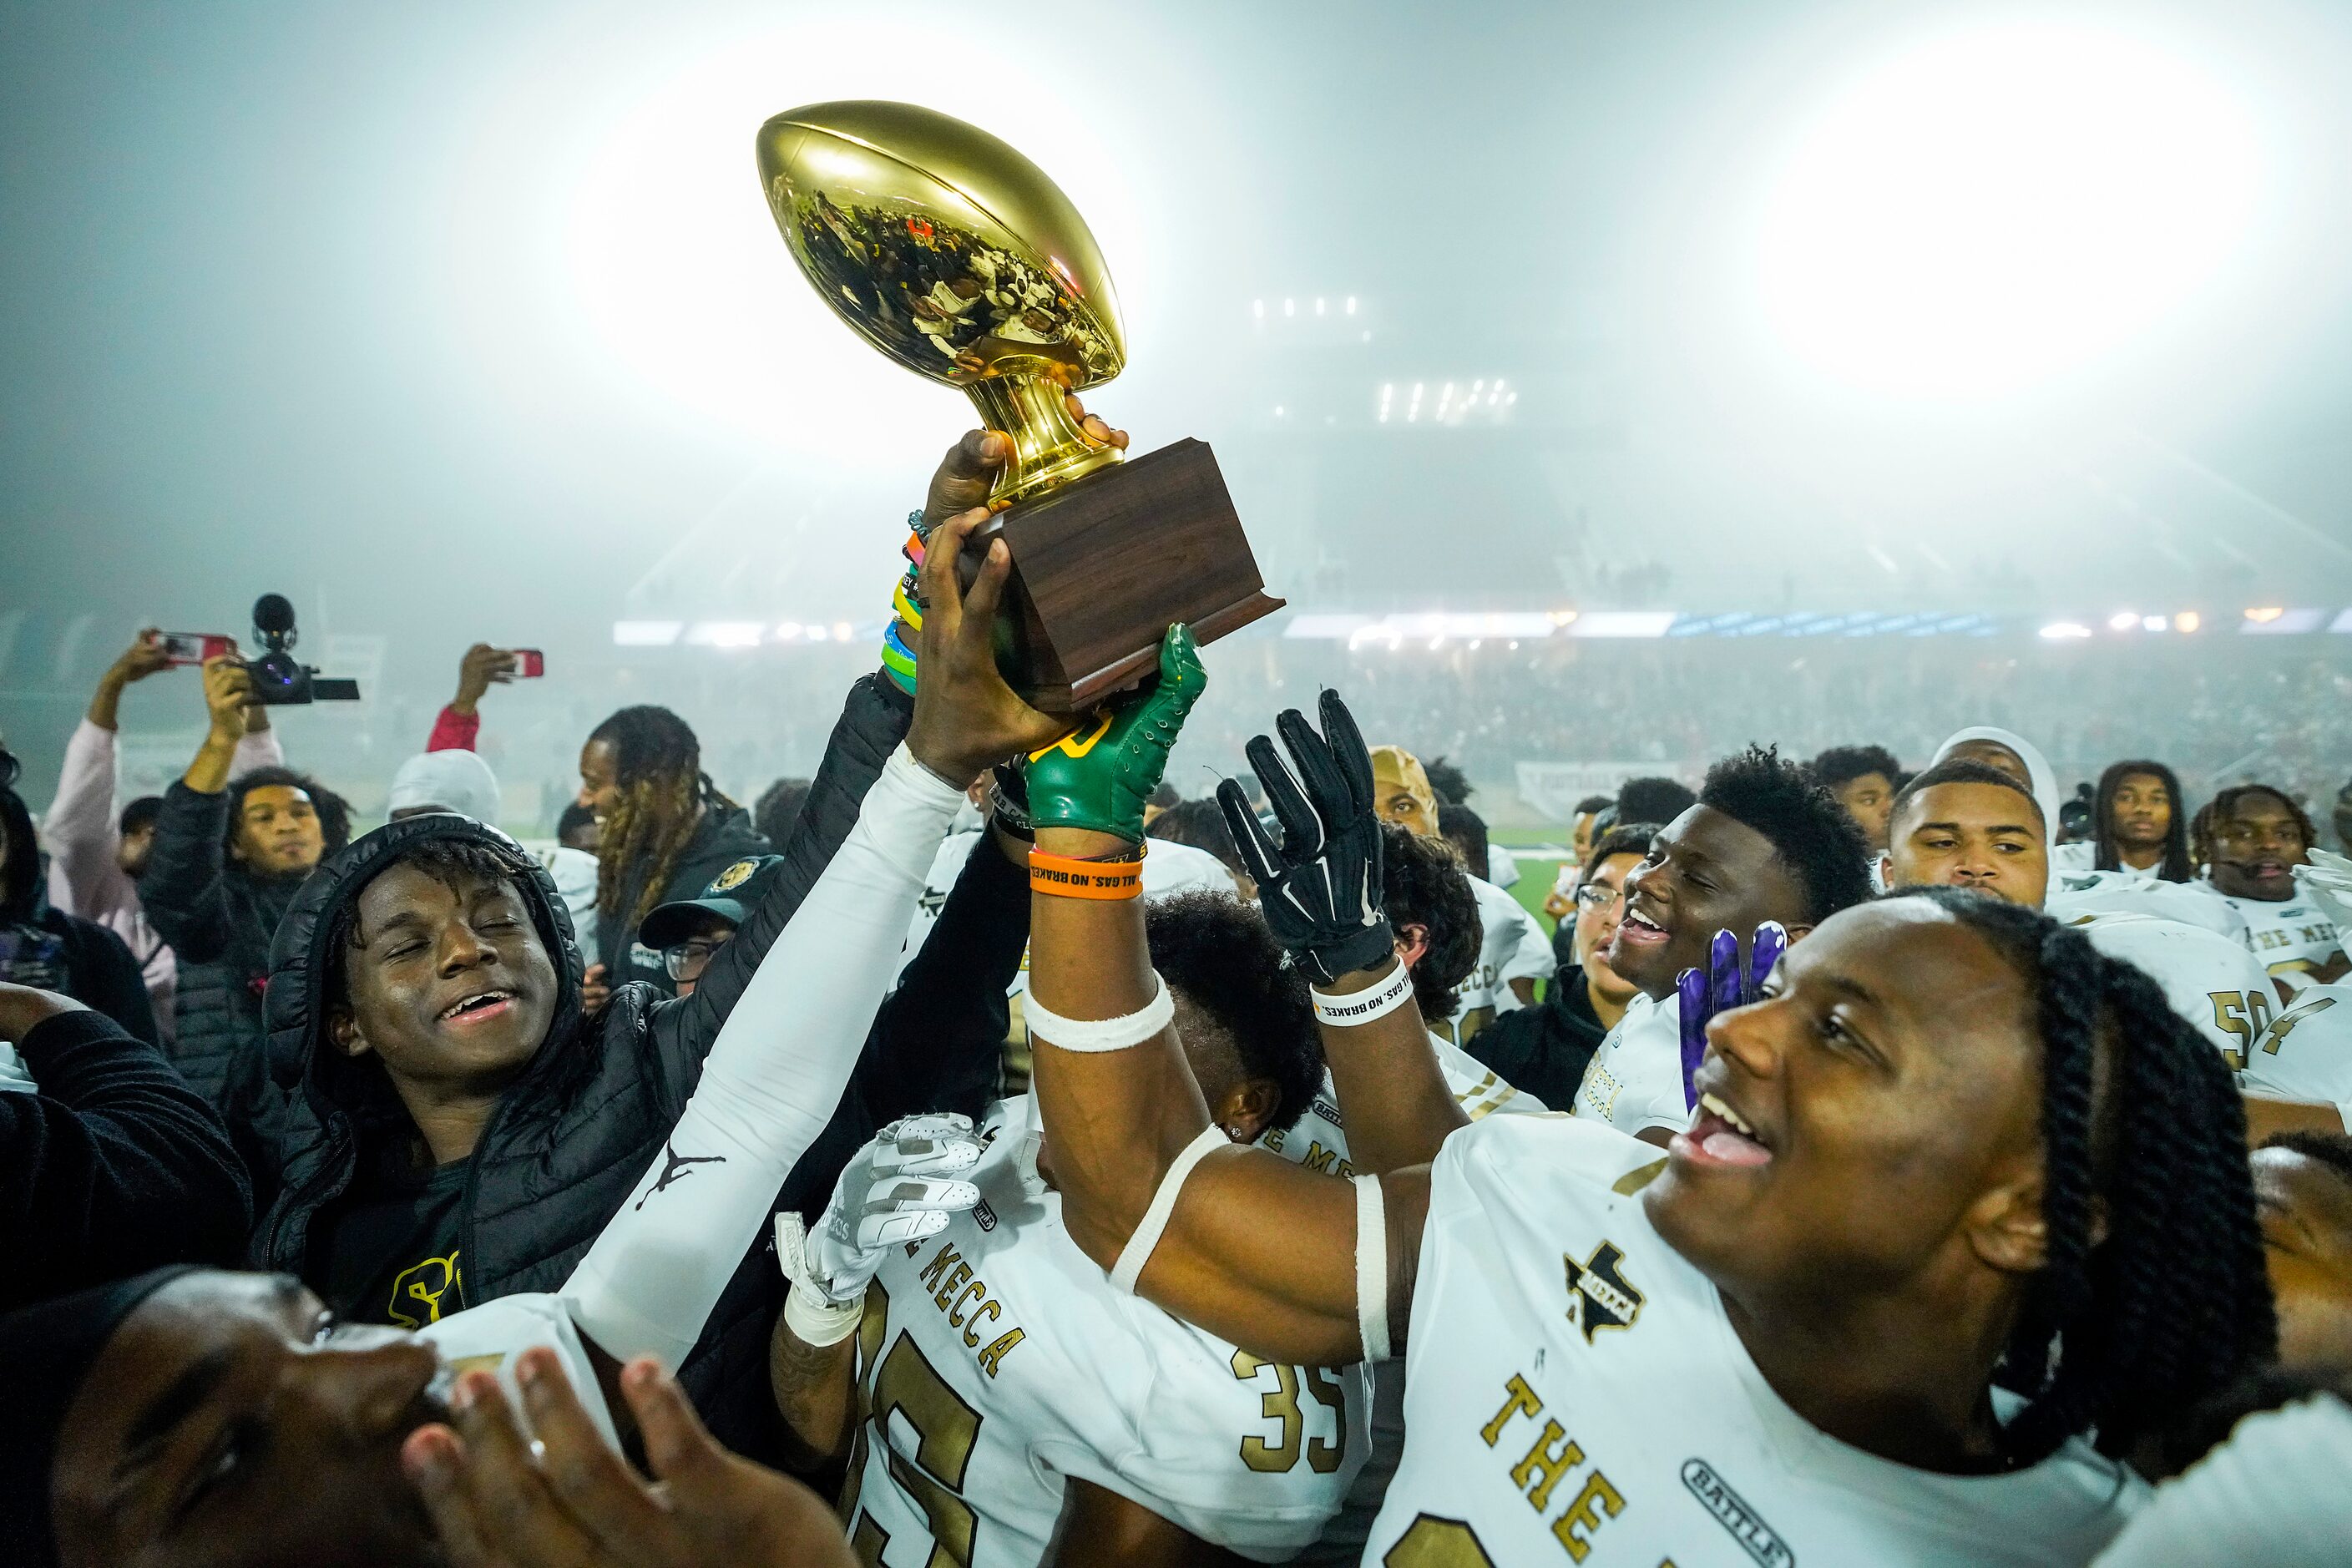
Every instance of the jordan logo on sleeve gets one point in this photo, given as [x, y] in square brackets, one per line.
[674, 1169]
[1600, 1296]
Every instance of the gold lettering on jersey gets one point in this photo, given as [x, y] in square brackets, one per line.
[1326, 1162]
[1546, 1463]
[954, 1290]
[1581, 1516]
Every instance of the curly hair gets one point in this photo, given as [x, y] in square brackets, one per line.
[1200, 824]
[1627, 839]
[2142, 1124]
[657, 764]
[1814, 836]
[1217, 951]
[1652, 800]
[1448, 782]
[2176, 866]
[1466, 831]
[1423, 883]
[1843, 764]
[334, 811]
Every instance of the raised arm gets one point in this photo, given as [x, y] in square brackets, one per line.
[1322, 889]
[1254, 1249]
[81, 827]
[184, 886]
[787, 1049]
[115, 1165]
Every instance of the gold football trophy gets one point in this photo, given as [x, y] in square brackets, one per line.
[956, 256]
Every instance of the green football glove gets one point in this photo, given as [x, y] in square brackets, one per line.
[1100, 777]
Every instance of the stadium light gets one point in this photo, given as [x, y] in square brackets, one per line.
[2123, 621]
[2265, 614]
[2065, 631]
[645, 634]
[2001, 203]
[2186, 621]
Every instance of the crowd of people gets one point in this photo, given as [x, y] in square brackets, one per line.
[1874, 1163]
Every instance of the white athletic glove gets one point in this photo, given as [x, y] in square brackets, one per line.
[899, 1188]
[2326, 880]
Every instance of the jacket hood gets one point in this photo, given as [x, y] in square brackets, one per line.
[294, 1008]
[2037, 767]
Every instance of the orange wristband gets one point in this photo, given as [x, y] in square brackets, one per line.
[1085, 878]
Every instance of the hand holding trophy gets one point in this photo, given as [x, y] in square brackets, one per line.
[956, 256]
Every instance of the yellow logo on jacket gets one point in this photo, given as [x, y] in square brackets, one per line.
[417, 1292]
[732, 878]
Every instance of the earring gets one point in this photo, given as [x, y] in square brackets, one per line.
[1233, 1134]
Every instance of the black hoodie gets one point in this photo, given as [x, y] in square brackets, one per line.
[571, 1136]
[43, 946]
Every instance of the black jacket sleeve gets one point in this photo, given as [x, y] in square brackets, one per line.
[873, 721]
[114, 1166]
[184, 888]
[938, 1043]
[107, 977]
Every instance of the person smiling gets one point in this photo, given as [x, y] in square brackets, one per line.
[1764, 843]
[1619, 1352]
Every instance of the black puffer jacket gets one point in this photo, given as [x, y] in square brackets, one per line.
[570, 1138]
[218, 918]
[724, 836]
[90, 963]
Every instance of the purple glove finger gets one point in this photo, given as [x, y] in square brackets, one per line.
[1722, 973]
[1771, 941]
[1691, 985]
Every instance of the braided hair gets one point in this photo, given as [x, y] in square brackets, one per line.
[2176, 866]
[2139, 1119]
[657, 764]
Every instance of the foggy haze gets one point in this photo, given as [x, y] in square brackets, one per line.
[470, 322]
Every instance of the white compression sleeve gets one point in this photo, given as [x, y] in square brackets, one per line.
[770, 1083]
[1372, 1269]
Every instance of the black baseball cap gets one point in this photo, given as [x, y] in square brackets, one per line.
[731, 896]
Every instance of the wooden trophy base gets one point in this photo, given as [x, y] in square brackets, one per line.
[1104, 565]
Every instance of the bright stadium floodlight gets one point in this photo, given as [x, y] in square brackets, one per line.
[2001, 204]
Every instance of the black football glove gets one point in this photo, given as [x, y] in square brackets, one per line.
[1321, 889]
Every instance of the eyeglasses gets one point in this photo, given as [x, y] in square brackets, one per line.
[687, 960]
[1599, 896]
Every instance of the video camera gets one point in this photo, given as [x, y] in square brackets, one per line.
[279, 678]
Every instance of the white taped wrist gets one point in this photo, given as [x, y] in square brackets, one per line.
[1138, 1249]
[818, 1323]
[1102, 1034]
[1372, 1269]
[1359, 1007]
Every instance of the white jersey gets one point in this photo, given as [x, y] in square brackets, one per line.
[1502, 867]
[2291, 936]
[1634, 1080]
[1575, 1394]
[2277, 1493]
[2306, 1053]
[1318, 1140]
[2117, 893]
[1512, 947]
[488, 1338]
[2209, 980]
[996, 1360]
